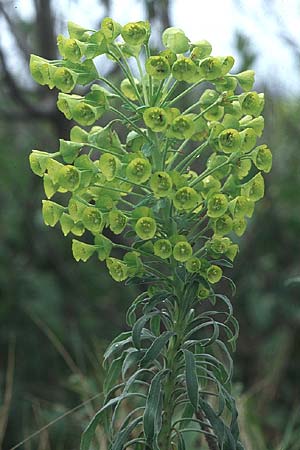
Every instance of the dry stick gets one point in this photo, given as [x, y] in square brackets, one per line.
[57, 344]
[44, 442]
[211, 442]
[4, 411]
[49, 424]
[66, 356]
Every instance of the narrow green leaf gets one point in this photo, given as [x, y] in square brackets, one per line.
[227, 302]
[132, 357]
[130, 315]
[113, 374]
[117, 345]
[156, 347]
[152, 413]
[191, 378]
[155, 325]
[89, 432]
[138, 327]
[123, 435]
[188, 413]
[225, 438]
[181, 443]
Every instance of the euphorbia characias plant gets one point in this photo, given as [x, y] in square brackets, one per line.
[178, 188]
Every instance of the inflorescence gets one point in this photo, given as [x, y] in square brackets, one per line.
[183, 183]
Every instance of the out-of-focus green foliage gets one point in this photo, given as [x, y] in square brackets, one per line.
[84, 308]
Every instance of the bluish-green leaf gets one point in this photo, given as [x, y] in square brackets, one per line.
[117, 344]
[191, 378]
[156, 347]
[181, 443]
[123, 435]
[153, 409]
[225, 439]
[113, 374]
[89, 432]
[138, 327]
[132, 357]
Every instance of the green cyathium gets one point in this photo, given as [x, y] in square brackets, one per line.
[178, 188]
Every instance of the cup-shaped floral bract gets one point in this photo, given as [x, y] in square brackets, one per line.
[158, 67]
[156, 119]
[184, 70]
[64, 79]
[254, 189]
[217, 205]
[117, 269]
[182, 251]
[138, 170]
[193, 265]
[92, 219]
[129, 89]
[109, 165]
[223, 225]
[135, 33]
[175, 39]
[159, 194]
[211, 68]
[182, 127]
[162, 248]
[200, 50]
[262, 158]
[214, 274]
[117, 221]
[69, 177]
[186, 198]
[145, 228]
[230, 140]
[161, 184]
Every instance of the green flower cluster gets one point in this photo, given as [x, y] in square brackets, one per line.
[182, 184]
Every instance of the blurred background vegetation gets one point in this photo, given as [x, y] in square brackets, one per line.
[57, 316]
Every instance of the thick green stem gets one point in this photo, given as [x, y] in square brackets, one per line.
[170, 385]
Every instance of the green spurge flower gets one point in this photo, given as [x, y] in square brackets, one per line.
[182, 251]
[135, 33]
[138, 170]
[145, 228]
[117, 221]
[92, 219]
[162, 248]
[161, 184]
[193, 264]
[117, 269]
[200, 50]
[156, 119]
[69, 177]
[214, 274]
[109, 165]
[129, 89]
[64, 79]
[217, 205]
[182, 127]
[211, 68]
[186, 198]
[175, 39]
[177, 189]
[158, 67]
[262, 158]
[230, 140]
[82, 251]
[184, 69]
